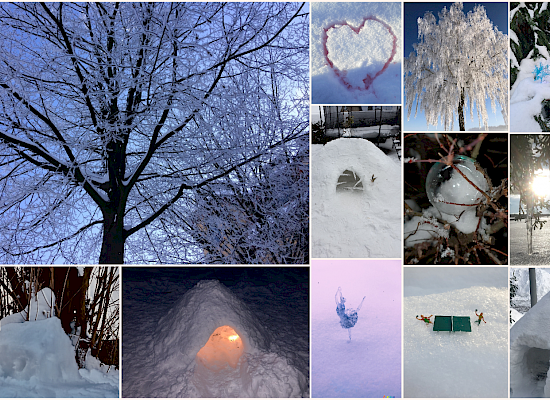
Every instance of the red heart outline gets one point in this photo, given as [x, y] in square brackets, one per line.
[368, 79]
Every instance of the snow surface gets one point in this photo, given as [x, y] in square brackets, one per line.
[518, 245]
[358, 58]
[530, 352]
[456, 364]
[526, 97]
[170, 314]
[370, 364]
[359, 223]
[37, 359]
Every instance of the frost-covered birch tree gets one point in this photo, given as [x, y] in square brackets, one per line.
[458, 62]
[115, 116]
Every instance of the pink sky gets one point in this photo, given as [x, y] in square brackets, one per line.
[379, 280]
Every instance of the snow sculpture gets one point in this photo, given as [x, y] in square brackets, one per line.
[348, 318]
[349, 181]
[449, 192]
[530, 352]
[540, 72]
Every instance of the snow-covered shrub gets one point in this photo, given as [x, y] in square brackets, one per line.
[258, 215]
[529, 34]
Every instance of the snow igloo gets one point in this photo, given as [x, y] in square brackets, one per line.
[211, 345]
[530, 352]
[356, 208]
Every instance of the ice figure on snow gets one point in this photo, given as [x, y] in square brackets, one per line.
[348, 318]
[540, 72]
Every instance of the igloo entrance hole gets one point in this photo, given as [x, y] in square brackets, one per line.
[537, 362]
[349, 181]
[224, 347]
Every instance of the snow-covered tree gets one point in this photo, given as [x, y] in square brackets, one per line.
[263, 223]
[114, 116]
[529, 34]
[459, 62]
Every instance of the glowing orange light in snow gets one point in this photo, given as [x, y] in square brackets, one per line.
[223, 347]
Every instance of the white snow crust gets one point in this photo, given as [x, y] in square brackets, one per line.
[526, 97]
[358, 54]
[455, 364]
[530, 352]
[264, 370]
[357, 224]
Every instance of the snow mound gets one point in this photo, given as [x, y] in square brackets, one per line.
[355, 223]
[186, 329]
[457, 364]
[40, 350]
[37, 359]
[530, 352]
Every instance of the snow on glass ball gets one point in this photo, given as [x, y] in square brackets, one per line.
[445, 185]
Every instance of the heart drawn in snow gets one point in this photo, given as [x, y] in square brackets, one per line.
[359, 55]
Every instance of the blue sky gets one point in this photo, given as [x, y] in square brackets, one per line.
[496, 12]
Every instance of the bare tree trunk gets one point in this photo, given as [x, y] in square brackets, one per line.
[81, 313]
[461, 111]
[112, 247]
[17, 287]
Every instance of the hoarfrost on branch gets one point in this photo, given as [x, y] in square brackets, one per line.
[120, 121]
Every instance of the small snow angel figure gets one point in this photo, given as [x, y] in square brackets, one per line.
[348, 318]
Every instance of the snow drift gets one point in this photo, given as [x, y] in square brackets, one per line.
[256, 371]
[530, 352]
[363, 221]
[37, 351]
[37, 358]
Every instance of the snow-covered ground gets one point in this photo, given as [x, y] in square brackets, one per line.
[365, 132]
[164, 307]
[456, 364]
[370, 364]
[356, 53]
[37, 358]
[518, 245]
[364, 221]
